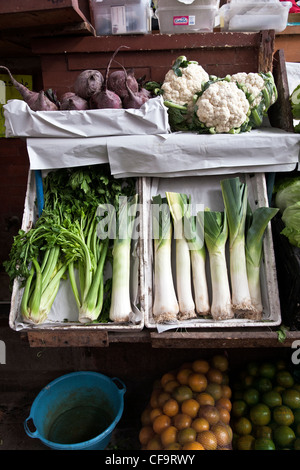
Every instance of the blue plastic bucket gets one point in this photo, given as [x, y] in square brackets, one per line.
[77, 411]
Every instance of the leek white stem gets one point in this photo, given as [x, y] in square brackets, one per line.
[235, 200]
[120, 308]
[215, 235]
[256, 224]
[199, 282]
[179, 205]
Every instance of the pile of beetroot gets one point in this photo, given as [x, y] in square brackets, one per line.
[118, 89]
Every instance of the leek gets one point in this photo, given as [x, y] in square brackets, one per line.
[178, 204]
[165, 304]
[195, 237]
[235, 195]
[215, 235]
[120, 307]
[256, 224]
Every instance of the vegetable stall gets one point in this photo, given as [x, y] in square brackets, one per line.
[153, 164]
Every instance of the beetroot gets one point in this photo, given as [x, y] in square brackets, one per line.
[117, 82]
[37, 101]
[106, 98]
[88, 83]
[71, 101]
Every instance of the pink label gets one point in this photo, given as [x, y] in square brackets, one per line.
[180, 20]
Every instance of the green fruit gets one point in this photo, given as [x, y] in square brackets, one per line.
[263, 443]
[260, 414]
[239, 408]
[283, 415]
[245, 442]
[284, 436]
[291, 398]
[271, 398]
[263, 431]
[263, 384]
[251, 396]
[242, 426]
[267, 369]
[284, 378]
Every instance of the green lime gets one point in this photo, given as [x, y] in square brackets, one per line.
[263, 384]
[262, 443]
[239, 408]
[245, 442]
[297, 444]
[291, 398]
[252, 368]
[251, 396]
[267, 369]
[260, 414]
[283, 415]
[263, 431]
[271, 398]
[242, 426]
[284, 378]
[296, 414]
[284, 436]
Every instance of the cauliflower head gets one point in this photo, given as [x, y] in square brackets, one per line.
[254, 84]
[222, 107]
[181, 89]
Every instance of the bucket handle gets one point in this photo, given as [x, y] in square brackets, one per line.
[120, 385]
[33, 434]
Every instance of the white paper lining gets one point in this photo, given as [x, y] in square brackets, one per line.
[21, 121]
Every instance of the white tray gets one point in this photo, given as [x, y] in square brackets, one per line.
[207, 190]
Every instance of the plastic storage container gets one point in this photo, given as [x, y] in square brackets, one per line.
[121, 17]
[186, 16]
[251, 16]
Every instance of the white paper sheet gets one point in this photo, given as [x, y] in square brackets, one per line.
[21, 121]
[183, 154]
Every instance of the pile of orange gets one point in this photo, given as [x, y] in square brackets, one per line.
[189, 408]
[265, 411]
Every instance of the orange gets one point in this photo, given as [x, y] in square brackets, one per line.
[145, 416]
[260, 414]
[166, 378]
[146, 433]
[170, 407]
[200, 424]
[263, 443]
[186, 435]
[224, 415]
[239, 408]
[154, 444]
[291, 398]
[284, 378]
[168, 436]
[162, 398]
[154, 413]
[263, 431]
[193, 446]
[190, 407]
[153, 399]
[201, 365]
[182, 376]
[222, 434]
[197, 382]
[224, 403]
[182, 421]
[226, 391]
[215, 376]
[210, 413]
[204, 398]
[160, 423]
[208, 440]
[171, 385]
[251, 396]
[173, 446]
[214, 389]
[219, 361]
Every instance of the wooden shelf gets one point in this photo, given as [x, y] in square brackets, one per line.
[221, 338]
